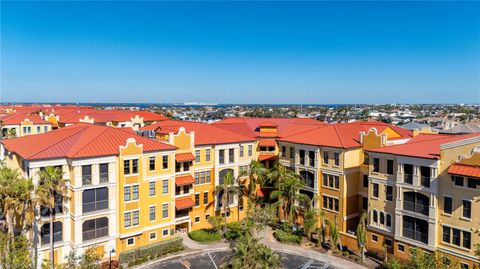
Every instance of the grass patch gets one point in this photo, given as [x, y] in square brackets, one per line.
[285, 237]
[204, 236]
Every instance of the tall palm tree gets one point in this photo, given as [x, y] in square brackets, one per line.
[288, 185]
[51, 185]
[225, 191]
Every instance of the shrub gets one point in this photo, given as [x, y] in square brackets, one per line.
[234, 231]
[143, 254]
[285, 237]
[204, 235]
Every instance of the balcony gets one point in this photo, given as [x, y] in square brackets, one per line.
[415, 235]
[425, 181]
[182, 213]
[416, 207]
[408, 178]
[94, 206]
[93, 234]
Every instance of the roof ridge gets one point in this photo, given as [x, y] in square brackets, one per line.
[306, 131]
[96, 136]
[82, 128]
[339, 136]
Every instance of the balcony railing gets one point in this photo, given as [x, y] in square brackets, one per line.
[181, 214]
[408, 178]
[416, 207]
[93, 234]
[94, 206]
[103, 177]
[415, 235]
[87, 179]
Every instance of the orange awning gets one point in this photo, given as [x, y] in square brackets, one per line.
[267, 134]
[184, 203]
[265, 157]
[464, 170]
[184, 180]
[267, 143]
[184, 157]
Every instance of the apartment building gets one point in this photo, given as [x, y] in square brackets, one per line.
[110, 188]
[204, 156]
[423, 193]
[22, 124]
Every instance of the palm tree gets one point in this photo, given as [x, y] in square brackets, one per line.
[225, 191]
[361, 234]
[51, 185]
[288, 185]
[257, 175]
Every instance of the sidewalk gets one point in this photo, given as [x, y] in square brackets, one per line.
[189, 243]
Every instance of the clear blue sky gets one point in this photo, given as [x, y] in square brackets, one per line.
[241, 52]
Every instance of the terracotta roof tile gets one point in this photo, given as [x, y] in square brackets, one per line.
[19, 117]
[464, 170]
[184, 180]
[267, 143]
[184, 157]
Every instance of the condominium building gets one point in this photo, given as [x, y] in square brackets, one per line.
[22, 124]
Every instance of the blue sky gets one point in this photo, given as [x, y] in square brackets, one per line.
[241, 52]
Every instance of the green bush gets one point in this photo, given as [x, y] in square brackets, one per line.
[204, 235]
[234, 231]
[143, 254]
[285, 237]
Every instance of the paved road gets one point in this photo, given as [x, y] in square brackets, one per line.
[216, 259]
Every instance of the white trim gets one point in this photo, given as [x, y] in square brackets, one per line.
[149, 236]
[132, 244]
[458, 143]
[168, 232]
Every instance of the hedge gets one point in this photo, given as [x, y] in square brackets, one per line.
[285, 237]
[204, 235]
[150, 252]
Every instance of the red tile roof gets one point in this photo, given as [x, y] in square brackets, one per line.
[265, 157]
[102, 116]
[423, 145]
[184, 180]
[205, 134]
[78, 141]
[340, 135]
[267, 143]
[183, 203]
[464, 170]
[184, 157]
[17, 118]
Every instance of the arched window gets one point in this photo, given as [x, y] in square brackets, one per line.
[389, 220]
[375, 216]
[222, 174]
[57, 232]
[382, 218]
[416, 202]
[95, 228]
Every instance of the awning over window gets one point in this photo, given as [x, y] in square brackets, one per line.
[464, 170]
[184, 203]
[184, 180]
[184, 157]
[266, 157]
[267, 143]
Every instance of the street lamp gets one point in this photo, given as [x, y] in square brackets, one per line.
[110, 258]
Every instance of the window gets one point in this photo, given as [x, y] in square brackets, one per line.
[165, 186]
[375, 190]
[408, 170]
[134, 166]
[416, 202]
[152, 236]
[388, 242]
[86, 174]
[382, 218]
[130, 241]
[95, 228]
[446, 234]
[127, 219]
[151, 162]
[389, 167]
[207, 176]
[152, 213]
[415, 229]
[250, 150]
[165, 162]
[126, 167]
[39, 129]
[336, 158]
[330, 203]
[389, 220]
[205, 198]
[473, 183]
[197, 219]
[197, 156]
[401, 248]
[425, 176]
[463, 265]
[197, 178]
[467, 209]
[165, 211]
[57, 232]
[207, 216]
[103, 172]
[151, 188]
[331, 181]
[135, 217]
[241, 151]
[292, 153]
[284, 151]
[197, 199]
[365, 181]
[165, 232]
[467, 237]
[302, 157]
[458, 181]
[374, 238]
[375, 216]
[202, 177]
[126, 193]
[389, 194]
[94, 199]
[456, 236]
[135, 192]
[447, 205]
[366, 159]
[221, 156]
[325, 157]
[207, 155]
[376, 165]
[311, 158]
[45, 129]
[364, 203]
